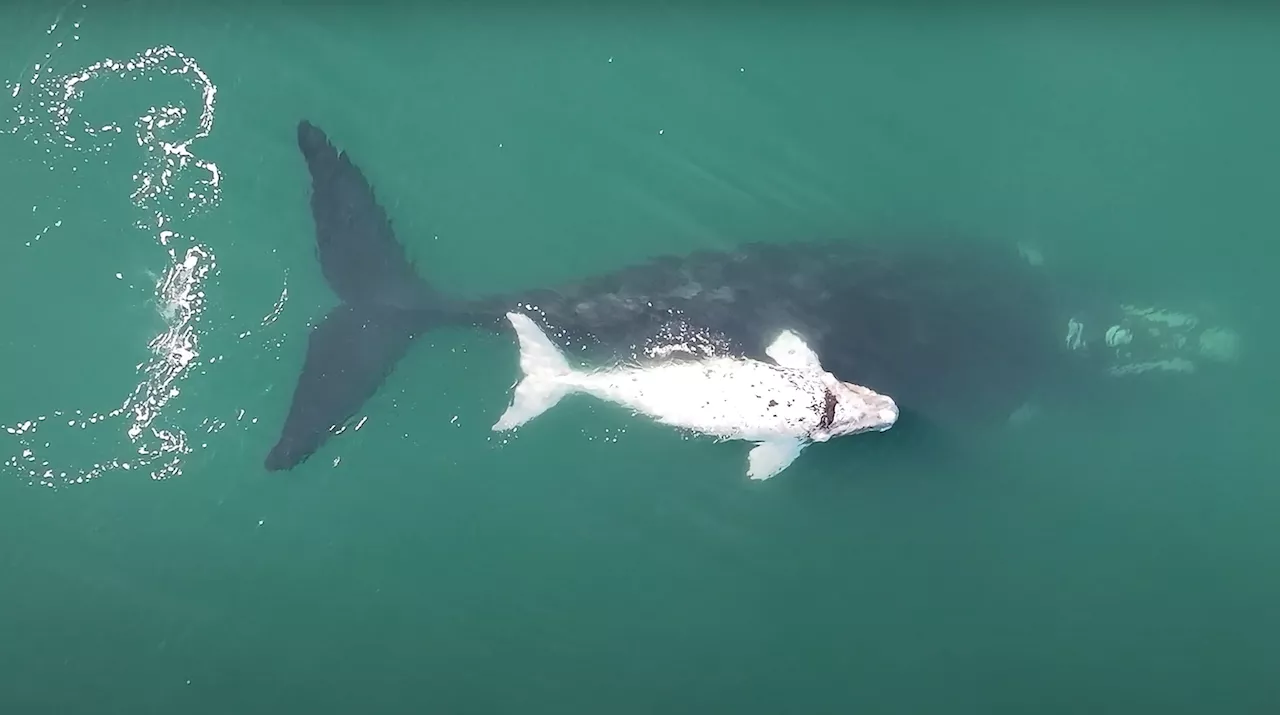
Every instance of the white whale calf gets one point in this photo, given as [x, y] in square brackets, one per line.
[782, 406]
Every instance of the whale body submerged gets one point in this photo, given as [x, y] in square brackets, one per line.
[956, 332]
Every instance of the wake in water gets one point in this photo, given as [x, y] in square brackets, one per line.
[173, 184]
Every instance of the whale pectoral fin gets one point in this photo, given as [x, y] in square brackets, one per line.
[790, 350]
[768, 458]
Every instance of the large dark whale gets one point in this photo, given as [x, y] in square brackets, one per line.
[956, 331]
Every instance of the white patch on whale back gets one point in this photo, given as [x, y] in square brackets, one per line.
[722, 397]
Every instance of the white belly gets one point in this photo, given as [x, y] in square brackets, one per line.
[726, 398]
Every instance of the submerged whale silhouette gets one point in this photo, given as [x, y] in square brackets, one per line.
[955, 331]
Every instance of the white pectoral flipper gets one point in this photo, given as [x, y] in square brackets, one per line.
[768, 458]
[790, 350]
[545, 370]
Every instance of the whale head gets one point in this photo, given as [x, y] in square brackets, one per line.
[852, 409]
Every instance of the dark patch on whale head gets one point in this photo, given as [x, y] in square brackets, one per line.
[828, 410]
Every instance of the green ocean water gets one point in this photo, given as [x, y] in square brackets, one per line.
[157, 254]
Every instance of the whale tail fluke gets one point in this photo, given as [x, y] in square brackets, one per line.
[545, 369]
[384, 304]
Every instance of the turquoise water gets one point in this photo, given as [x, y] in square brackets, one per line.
[157, 254]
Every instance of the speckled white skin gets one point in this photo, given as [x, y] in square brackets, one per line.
[780, 406]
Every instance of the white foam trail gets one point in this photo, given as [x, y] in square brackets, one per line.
[46, 112]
